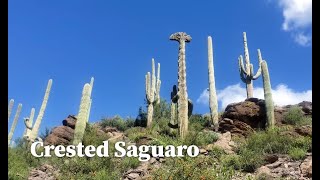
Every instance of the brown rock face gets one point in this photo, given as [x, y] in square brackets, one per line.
[45, 171]
[251, 111]
[62, 135]
[70, 121]
[304, 130]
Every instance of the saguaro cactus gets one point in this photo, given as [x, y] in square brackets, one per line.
[267, 93]
[246, 72]
[173, 119]
[35, 129]
[30, 121]
[91, 84]
[82, 115]
[14, 123]
[213, 102]
[182, 38]
[10, 108]
[152, 91]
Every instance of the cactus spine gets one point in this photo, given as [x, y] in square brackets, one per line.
[213, 102]
[33, 134]
[30, 121]
[267, 93]
[10, 106]
[14, 123]
[82, 115]
[152, 91]
[246, 72]
[91, 84]
[182, 38]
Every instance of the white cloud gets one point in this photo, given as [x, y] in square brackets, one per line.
[282, 95]
[297, 19]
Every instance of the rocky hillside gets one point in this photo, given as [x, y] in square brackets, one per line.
[242, 149]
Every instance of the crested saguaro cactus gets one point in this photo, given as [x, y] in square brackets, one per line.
[267, 93]
[14, 123]
[30, 121]
[91, 84]
[213, 102]
[152, 91]
[33, 134]
[10, 106]
[246, 71]
[82, 115]
[182, 94]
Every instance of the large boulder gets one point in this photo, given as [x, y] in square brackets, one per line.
[60, 135]
[70, 121]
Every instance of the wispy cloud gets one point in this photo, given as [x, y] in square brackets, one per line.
[297, 16]
[282, 95]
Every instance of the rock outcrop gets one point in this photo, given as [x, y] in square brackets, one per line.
[62, 135]
[45, 171]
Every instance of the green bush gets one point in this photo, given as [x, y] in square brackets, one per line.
[200, 138]
[118, 122]
[297, 153]
[295, 116]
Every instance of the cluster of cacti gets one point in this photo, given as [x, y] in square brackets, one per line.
[83, 114]
[33, 130]
[182, 93]
[213, 101]
[152, 91]
[14, 123]
[267, 92]
[246, 71]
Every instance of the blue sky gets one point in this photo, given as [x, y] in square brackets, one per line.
[114, 41]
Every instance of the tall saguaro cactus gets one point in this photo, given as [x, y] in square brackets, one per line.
[10, 108]
[173, 118]
[91, 84]
[182, 38]
[82, 115]
[33, 134]
[14, 123]
[213, 102]
[30, 121]
[267, 93]
[246, 72]
[152, 91]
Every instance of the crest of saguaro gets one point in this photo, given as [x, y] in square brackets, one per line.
[246, 71]
[213, 101]
[14, 123]
[91, 84]
[152, 91]
[82, 115]
[30, 121]
[33, 134]
[182, 94]
[267, 93]
[10, 106]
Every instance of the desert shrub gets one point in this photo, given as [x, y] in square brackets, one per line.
[141, 119]
[297, 153]
[294, 116]
[251, 153]
[20, 161]
[161, 110]
[91, 137]
[200, 138]
[118, 122]
[192, 168]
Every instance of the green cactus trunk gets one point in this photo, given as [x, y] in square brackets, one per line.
[152, 91]
[82, 115]
[91, 84]
[269, 105]
[35, 129]
[30, 121]
[10, 106]
[14, 123]
[213, 102]
[246, 72]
